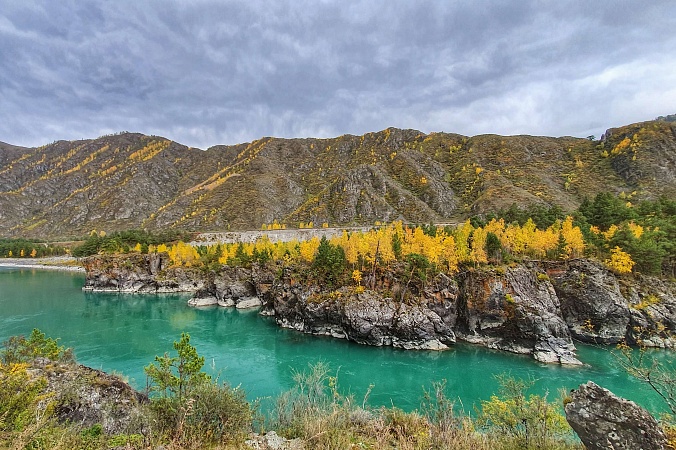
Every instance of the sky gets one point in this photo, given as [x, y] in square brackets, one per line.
[224, 72]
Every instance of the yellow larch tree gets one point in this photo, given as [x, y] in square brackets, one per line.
[478, 253]
[636, 230]
[462, 234]
[182, 254]
[574, 238]
[308, 249]
[620, 261]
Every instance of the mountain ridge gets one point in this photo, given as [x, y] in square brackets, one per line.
[130, 180]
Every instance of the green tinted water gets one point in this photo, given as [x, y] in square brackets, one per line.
[123, 333]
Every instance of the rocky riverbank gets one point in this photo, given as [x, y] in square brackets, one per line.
[535, 308]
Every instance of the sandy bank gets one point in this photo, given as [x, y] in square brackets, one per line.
[67, 263]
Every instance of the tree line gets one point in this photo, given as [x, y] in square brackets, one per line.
[628, 237]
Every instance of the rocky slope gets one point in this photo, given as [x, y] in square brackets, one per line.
[131, 180]
[534, 308]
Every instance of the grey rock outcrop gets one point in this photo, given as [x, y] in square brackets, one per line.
[234, 286]
[514, 310]
[604, 421]
[591, 301]
[365, 318]
[653, 313]
[136, 273]
[85, 396]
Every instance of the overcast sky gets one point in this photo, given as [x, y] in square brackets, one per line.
[216, 72]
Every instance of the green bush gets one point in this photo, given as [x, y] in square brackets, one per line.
[329, 263]
[190, 405]
[527, 422]
[19, 349]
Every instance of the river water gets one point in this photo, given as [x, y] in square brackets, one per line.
[123, 333]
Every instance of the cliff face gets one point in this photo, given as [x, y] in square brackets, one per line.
[515, 310]
[135, 181]
[535, 309]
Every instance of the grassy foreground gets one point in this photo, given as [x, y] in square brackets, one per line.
[188, 409]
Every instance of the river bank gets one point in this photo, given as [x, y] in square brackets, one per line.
[535, 308]
[67, 263]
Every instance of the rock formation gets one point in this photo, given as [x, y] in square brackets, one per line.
[599, 308]
[85, 396]
[591, 302]
[514, 310]
[137, 273]
[604, 421]
[535, 308]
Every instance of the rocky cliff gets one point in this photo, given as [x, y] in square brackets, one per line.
[140, 274]
[536, 308]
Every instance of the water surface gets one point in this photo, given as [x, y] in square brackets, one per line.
[123, 333]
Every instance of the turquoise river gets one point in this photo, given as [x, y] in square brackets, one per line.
[123, 333]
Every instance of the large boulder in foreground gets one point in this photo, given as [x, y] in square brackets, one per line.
[604, 421]
[84, 396]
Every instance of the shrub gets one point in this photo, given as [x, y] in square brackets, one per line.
[18, 349]
[191, 406]
[529, 422]
[22, 400]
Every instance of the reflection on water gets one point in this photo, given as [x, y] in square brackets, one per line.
[124, 333]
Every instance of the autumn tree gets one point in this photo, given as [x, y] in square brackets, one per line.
[619, 262]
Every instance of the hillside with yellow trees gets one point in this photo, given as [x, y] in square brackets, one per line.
[128, 180]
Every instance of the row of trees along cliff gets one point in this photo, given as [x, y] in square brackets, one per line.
[626, 237]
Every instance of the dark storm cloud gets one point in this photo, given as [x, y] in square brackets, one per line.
[203, 72]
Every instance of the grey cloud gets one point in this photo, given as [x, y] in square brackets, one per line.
[204, 72]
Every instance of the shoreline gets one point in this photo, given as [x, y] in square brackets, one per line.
[65, 263]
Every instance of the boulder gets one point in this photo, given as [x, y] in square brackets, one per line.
[248, 302]
[85, 396]
[203, 301]
[604, 421]
[272, 441]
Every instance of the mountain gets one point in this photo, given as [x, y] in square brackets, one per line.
[130, 180]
